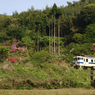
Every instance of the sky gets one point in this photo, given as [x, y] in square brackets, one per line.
[9, 6]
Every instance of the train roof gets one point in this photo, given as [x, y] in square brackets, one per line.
[89, 57]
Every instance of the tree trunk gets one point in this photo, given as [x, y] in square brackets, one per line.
[54, 35]
[49, 38]
[59, 37]
[38, 42]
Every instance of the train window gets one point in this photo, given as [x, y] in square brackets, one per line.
[78, 58]
[86, 60]
[91, 60]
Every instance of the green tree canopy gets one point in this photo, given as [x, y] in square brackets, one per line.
[3, 36]
[77, 37]
[87, 15]
[27, 41]
[55, 11]
[90, 33]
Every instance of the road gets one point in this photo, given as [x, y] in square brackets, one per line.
[63, 91]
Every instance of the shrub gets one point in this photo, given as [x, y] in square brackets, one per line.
[30, 52]
[79, 49]
[70, 58]
[7, 43]
[69, 48]
[40, 57]
[13, 59]
[86, 49]
[49, 87]
[7, 86]
[39, 74]
[29, 87]
[13, 48]
[19, 87]
[3, 53]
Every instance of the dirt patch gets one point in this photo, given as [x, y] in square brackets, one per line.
[62, 63]
[8, 66]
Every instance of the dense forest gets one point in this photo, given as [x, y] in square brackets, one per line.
[53, 26]
[37, 47]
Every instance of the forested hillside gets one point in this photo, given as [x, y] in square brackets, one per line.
[74, 20]
[37, 46]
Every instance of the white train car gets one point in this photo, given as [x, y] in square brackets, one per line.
[84, 61]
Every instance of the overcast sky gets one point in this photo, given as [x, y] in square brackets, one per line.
[10, 6]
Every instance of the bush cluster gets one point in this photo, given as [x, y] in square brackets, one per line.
[48, 76]
[40, 56]
[79, 49]
[4, 53]
[86, 49]
[13, 59]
